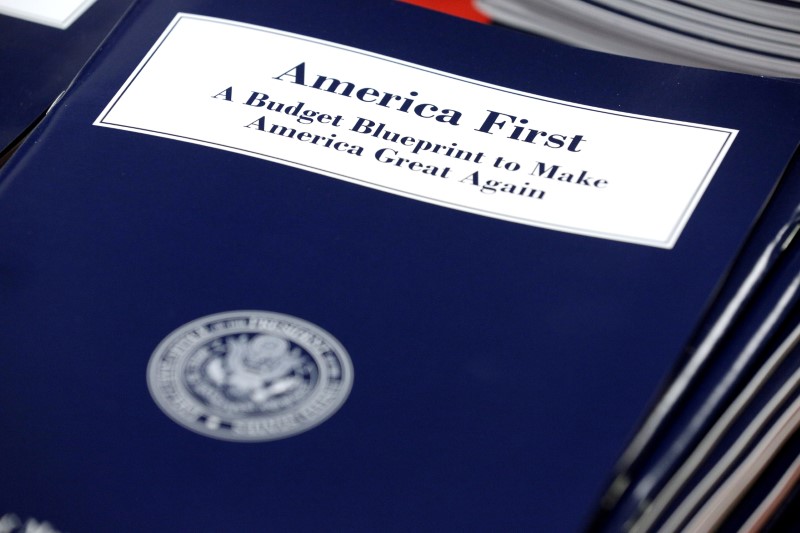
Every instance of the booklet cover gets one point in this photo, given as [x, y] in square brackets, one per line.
[295, 269]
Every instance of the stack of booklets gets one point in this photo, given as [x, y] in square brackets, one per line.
[752, 36]
[348, 266]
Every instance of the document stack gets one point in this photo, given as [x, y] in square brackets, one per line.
[751, 36]
[348, 266]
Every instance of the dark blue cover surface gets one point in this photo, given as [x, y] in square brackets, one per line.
[758, 280]
[499, 368]
[37, 62]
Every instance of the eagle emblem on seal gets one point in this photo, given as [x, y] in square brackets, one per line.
[249, 375]
[259, 368]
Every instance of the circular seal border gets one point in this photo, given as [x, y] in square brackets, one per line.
[169, 357]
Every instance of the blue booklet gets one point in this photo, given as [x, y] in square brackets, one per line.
[337, 266]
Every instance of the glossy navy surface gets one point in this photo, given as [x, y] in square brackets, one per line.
[37, 62]
[499, 368]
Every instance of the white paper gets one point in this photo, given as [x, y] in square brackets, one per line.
[595, 172]
[56, 13]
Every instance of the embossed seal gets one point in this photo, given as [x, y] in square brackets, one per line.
[249, 375]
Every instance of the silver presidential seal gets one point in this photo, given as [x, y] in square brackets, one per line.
[249, 375]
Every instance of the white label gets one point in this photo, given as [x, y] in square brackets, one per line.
[57, 13]
[417, 132]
